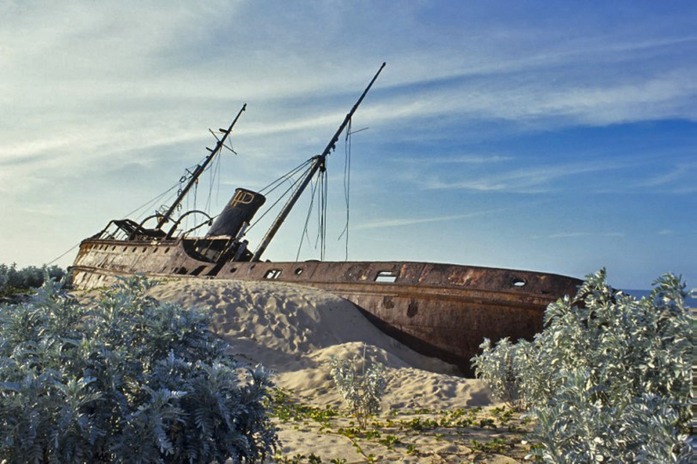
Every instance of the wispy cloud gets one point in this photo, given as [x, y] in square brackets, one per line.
[573, 235]
[473, 159]
[401, 222]
[534, 179]
[679, 178]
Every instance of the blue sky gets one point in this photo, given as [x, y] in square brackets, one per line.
[549, 136]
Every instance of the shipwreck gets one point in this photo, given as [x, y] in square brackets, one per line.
[440, 310]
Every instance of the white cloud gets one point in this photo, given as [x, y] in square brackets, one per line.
[534, 179]
[575, 235]
[400, 222]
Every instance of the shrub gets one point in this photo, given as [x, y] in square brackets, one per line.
[124, 379]
[361, 384]
[13, 280]
[609, 377]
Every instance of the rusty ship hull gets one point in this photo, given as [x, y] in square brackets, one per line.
[440, 310]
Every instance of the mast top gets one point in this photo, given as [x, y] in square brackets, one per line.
[200, 169]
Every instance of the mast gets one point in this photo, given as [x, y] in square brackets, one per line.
[199, 170]
[317, 165]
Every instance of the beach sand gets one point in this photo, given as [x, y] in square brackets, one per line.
[294, 331]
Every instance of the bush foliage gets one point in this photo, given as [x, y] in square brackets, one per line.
[124, 379]
[361, 383]
[607, 380]
[13, 280]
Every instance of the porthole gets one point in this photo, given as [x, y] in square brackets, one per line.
[519, 283]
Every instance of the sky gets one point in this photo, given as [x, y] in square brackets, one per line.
[547, 136]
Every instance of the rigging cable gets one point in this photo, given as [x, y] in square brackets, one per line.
[323, 206]
[322, 194]
[145, 205]
[278, 183]
[347, 187]
[307, 220]
[319, 191]
[213, 181]
[153, 200]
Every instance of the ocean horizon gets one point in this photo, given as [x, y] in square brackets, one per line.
[690, 301]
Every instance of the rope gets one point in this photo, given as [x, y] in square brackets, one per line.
[291, 187]
[322, 214]
[324, 203]
[59, 257]
[153, 200]
[319, 189]
[287, 176]
[307, 220]
[347, 188]
[213, 180]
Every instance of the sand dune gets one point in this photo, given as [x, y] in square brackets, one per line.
[294, 331]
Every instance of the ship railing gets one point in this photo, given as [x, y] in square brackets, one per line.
[127, 229]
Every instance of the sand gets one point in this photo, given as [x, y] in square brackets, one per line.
[294, 331]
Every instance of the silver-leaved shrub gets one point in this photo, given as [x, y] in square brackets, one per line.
[124, 379]
[608, 380]
[361, 383]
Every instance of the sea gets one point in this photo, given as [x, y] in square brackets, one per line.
[690, 301]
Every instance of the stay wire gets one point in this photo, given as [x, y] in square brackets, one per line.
[213, 181]
[325, 202]
[347, 188]
[59, 257]
[158, 199]
[320, 194]
[153, 200]
[313, 187]
[281, 197]
[285, 177]
[145, 205]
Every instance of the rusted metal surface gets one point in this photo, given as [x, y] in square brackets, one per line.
[441, 310]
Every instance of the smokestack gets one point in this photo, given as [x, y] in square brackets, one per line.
[239, 210]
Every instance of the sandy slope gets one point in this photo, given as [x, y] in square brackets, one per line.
[294, 331]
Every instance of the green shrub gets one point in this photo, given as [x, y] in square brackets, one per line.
[608, 379]
[124, 379]
[361, 384]
[13, 280]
